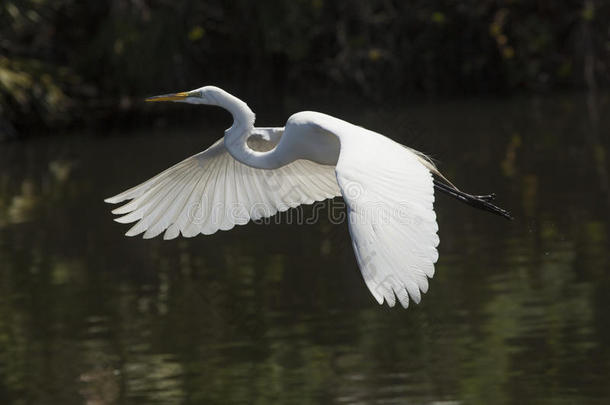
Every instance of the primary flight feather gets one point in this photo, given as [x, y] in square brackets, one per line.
[253, 173]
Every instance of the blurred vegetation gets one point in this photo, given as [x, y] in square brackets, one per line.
[65, 61]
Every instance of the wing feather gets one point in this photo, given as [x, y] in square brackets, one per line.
[212, 191]
[391, 217]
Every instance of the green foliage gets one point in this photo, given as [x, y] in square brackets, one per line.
[99, 53]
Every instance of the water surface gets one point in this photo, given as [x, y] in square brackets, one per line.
[516, 313]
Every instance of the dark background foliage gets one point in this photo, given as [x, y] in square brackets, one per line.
[65, 61]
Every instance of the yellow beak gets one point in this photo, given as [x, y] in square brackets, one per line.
[169, 97]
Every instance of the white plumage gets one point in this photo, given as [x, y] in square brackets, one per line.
[212, 191]
[391, 218]
[255, 172]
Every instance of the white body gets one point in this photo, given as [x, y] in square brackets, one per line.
[256, 172]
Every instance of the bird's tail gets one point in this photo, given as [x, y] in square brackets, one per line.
[430, 165]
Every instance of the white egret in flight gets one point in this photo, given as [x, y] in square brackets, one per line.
[254, 172]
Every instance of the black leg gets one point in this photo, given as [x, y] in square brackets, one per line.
[478, 201]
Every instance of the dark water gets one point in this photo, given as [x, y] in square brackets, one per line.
[518, 312]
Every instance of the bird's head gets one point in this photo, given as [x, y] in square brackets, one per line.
[202, 95]
[212, 95]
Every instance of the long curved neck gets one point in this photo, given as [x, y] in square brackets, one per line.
[236, 137]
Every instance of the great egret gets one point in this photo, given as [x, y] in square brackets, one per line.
[253, 172]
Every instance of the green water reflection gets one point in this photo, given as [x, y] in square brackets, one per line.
[517, 312]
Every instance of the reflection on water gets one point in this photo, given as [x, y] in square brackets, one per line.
[517, 312]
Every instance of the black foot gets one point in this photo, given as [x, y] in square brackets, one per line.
[478, 201]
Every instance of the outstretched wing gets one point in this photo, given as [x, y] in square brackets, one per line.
[211, 191]
[389, 194]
